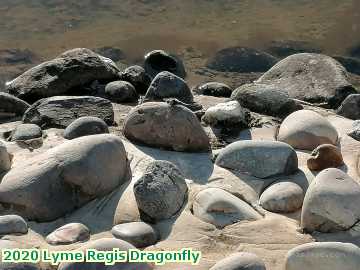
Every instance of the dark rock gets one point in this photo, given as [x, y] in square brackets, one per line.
[354, 51]
[286, 48]
[161, 192]
[121, 91]
[351, 64]
[355, 130]
[241, 59]
[166, 126]
[325, 156]
[112, 53]
[310, 77]
[350, 108]
[72, 69]
[17, 56]
[158, 61]
[213, 89]
[25, 132]
[60, 111]
[265, 99]
[168, 85]
[12, 104]
[12, 224]
[85, 126]
[137, 76]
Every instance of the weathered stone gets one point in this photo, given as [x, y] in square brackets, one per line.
[166, 126]
[351, 64]
[69, 234]
[60, 111]
[240, 261]
[12, 104]
[25, 132]
[331, 202]
[226, 114]
[138, 234]
[221, 208]
[71, 69]
[159, 60]
[325, 156]
[12, 224]
[315, 78]
[259, 158]
[265, 99]
[161, 192]
[64, 178]
[167, 85]
[323, 256]
[241, 59]
[85, 126]
[215, 89]
[137, 76]
[282, 197]
[121, 91]
[350, 108]
[355, 130]
[307, 130]
[5, 158]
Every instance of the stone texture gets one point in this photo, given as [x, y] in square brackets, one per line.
[325, 156]
[69, 234]
[137, 76]
[259, 158]
[215, 89]
[161, 192]
[282, 197]
[350, 108]
[240, 261]
[12, 104]
[85, 126]
[331, 202]
[60, 111]
[307, 130]
[25, 132]
[12, 224]
[355, 130]
[315, 78]
[5, 158]
[120, 91]
[166, 126]
[221, 208]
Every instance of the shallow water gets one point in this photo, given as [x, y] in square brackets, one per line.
[48, 27]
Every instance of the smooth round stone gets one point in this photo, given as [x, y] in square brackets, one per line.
[137, 76]
[215, 89]
[307, 130]
[25, 132]
[259, 158]
[161, 192]
[120, 91]
[324, 256]
[139, 234]
[240, 261]
[331, 202]
[226, 114]
[69, 234]
[282, 197]
[355, 130]
[325, 156]
[5, 158]
[84, 126]
[12, 224]
[221, 208]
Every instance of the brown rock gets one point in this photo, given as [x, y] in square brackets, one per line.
[325, 156]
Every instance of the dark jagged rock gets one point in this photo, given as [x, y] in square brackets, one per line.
[137, 76]
[350, 108]
[213, 89]
[12, 104]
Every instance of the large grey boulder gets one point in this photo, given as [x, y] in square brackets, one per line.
[69, 234]
[324, 256]
[64, 178]
[221, 208]
[331, 202]
[12, 104]
[166, 126]
[5, 158]
[350, 108]
[259, 158]
[240, 261]
[168, 85]
[58, 76]
[282, 197]
[25, 132]
[307, 130]
[105, 244]
[60, 111]
[158, 60]
[12, 224]
[265, 99]
[311, 77]
[139, 234]
[161, 192]
[84, 126]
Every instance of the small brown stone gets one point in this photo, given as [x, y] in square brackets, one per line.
[325, 156]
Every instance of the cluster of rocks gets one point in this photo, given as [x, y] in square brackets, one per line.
[76, 92]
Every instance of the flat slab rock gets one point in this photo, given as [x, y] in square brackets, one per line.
[60, 111]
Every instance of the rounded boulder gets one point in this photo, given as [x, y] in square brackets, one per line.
[240, 261]
[325, 156]
[120, 91]
[84, 126]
